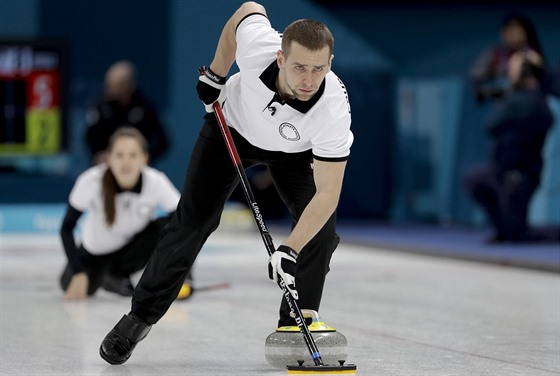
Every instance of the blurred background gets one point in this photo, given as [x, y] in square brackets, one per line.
[416, 122]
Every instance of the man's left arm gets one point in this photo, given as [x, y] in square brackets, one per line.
[328, 178]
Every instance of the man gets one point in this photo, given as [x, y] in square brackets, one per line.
[504, 186]
[123, 104]
[286, 110]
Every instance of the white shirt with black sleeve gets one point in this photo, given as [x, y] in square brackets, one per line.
[133, 209]
[267, 121]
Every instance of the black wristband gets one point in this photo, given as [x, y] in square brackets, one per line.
[288, 250]
[214, 77]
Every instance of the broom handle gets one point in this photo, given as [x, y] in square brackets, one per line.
[267, 239]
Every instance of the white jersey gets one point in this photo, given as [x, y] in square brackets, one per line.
[133, 210]
[265, 120]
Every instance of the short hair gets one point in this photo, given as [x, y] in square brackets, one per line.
[126, 69]
[311, 34]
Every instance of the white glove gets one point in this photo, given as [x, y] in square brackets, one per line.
[283, 263]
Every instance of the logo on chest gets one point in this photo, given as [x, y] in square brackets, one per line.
[289, 132]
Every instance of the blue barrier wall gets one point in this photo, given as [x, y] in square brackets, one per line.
[545, 206]
[405, 66]
[19, 18]
[438, 134]
[169, 41]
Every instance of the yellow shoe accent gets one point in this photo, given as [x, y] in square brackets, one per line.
[317, 324]
[314, 327]
[185, 293]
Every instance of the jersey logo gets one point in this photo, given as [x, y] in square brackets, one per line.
[289, 132]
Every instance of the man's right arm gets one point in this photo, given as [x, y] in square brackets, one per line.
[227, 45]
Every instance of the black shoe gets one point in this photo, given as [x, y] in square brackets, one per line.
[292, 322]
[117, 346]
[121, 286]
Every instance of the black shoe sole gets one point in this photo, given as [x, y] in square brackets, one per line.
[111, 361]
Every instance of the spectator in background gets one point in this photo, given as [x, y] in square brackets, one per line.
[123, 104]
[504, 186]
[489, 74]
[120, 230]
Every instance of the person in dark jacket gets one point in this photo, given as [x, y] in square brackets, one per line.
[518, 128]
[123, 104]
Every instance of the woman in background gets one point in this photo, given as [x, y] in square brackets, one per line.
[489, 73]
[120, 229]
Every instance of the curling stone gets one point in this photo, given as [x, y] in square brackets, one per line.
[286, 346]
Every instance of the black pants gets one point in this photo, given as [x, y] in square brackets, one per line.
[209, 182]
[505, 200]
[122, 263]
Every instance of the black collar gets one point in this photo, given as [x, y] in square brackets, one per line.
[136, 189]
[268, 77]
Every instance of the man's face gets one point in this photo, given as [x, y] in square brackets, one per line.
[119, 84]
[302, 71]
